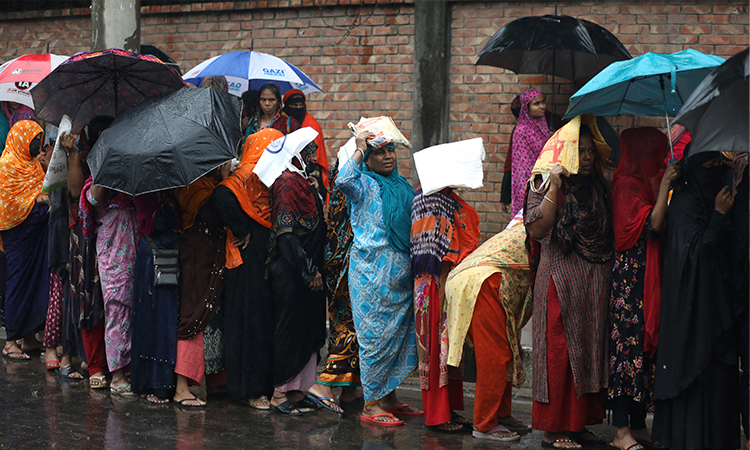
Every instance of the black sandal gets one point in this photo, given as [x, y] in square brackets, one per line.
[287, 408]
[306, 405]
[437, 428]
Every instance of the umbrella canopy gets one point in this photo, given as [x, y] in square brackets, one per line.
[100, 83]
[19, 75]
[651, 85]
[167, 141]
[562, 46]
[716, 114]
[251, 70]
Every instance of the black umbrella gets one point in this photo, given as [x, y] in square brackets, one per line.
[716, 113]
[167, 141]
[561, 46]
[101, 83]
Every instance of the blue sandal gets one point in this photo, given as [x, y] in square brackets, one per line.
[321, 402]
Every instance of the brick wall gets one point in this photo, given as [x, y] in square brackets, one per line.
[368, 69]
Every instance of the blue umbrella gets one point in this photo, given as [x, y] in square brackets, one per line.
[650, 85]
[251, 70]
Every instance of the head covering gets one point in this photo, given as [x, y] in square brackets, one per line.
[192, 197]
[247, 187]
[293, 204]
[21, 176]
[397, 196]
[528, 139]
[219, 82]
[636, 188]
[584, 222]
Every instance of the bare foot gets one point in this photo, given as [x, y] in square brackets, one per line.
[182, 393]
[29, 343]
[322, 391]
[391, 402]
[98, 381]
[449, 426]
[560, 440]
[372, 410]
[13, 351]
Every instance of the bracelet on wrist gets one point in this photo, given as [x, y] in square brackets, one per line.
[550, 200]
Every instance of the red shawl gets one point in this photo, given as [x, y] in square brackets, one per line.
[636, 188]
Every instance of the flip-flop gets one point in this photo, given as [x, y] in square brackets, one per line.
[260, 407]
[122, 389]
[437, 428]
[305, 405]
[632, 447]
[578, 437]
[52, 364]
[145, 399]
[399, 411]
[546, 444]
[320, 401]
[181, 403]
[287, 408]
[65, 372]
[371, 419]
[102, 381]
[514, 424]
[8, 356]
[498, 428]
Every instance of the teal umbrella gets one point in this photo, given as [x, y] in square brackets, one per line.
[650, 85]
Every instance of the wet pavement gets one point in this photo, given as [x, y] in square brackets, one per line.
[40, 410]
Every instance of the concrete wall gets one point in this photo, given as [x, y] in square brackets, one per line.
[361, 53]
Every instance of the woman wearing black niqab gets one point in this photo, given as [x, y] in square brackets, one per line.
[697, 371]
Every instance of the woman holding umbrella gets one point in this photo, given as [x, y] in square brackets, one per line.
[23, 226]
[641, 187]
[570, 218]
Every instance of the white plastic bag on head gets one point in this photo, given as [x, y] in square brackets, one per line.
[57, 171]
[384, 129]
[457, 164]
[279, 153]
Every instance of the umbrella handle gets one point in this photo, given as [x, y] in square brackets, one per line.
[666, 115]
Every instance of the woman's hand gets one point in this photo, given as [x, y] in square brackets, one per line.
[672, 173]
[68, 141]
[555, 174]
[724, 201]
[361, 141]
[241, 243]
[317, 282]
[505, 207]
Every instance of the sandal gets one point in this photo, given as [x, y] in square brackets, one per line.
[98, 381]
[66, 372]
[321, 401]
[437, 428]
[507, 435]
[181, 403]
[10, 356]
[305, 405]
[287, 408]
[372, 419]
[151, 399]
[52, 364]
[458, 419]
[122, 389]
[262, 398]
[546, 444]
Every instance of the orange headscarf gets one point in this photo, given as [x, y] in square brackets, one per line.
[192, 197]
[252, 194]
[21, 176]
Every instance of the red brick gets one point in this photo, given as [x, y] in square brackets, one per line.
[682, 18]
[696, 9]
[714, 40]
[695, 29]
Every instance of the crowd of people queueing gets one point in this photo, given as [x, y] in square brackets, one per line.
[639, 303]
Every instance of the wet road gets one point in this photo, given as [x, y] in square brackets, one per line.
[40, 410]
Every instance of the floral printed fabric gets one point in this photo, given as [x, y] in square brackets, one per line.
[631, 371]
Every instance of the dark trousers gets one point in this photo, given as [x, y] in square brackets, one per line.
[628, 412]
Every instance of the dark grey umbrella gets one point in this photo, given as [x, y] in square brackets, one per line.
[716, 113]
[167, 141]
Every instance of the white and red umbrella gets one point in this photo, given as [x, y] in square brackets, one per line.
[19, 75]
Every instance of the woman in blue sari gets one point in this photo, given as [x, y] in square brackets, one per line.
[380, 280]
